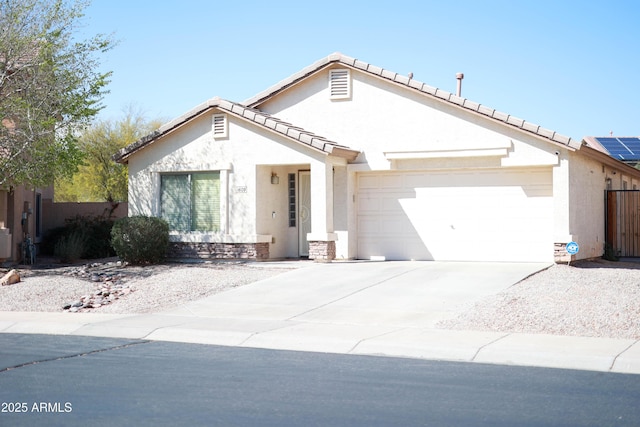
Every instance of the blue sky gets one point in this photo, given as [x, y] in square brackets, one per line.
[570, 66]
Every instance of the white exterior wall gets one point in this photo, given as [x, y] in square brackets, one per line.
[561, 203]
[383, 117]
[257, 210]
[398, 129]
[587, 205]
[343, 210]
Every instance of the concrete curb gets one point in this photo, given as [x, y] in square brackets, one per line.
[550, 351]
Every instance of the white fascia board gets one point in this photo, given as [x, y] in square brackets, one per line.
[490, 152]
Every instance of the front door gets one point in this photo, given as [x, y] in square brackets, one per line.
[304, 211]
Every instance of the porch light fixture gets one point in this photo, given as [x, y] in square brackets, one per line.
[275, 179]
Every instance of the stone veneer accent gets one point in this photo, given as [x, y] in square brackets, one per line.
[560, 253]
[322, 250]
[257, 251]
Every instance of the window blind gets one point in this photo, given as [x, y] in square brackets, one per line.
[205, 201]
[174, 201]
[191, 202]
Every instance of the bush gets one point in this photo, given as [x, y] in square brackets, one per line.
[88, 234]
[610, 253]
[70, 248]
[140, 239]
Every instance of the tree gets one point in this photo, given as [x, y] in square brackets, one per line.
[100, 178]
[50, 89]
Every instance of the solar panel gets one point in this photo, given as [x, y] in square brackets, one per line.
[632, 144]
[603, 140]
[623, 148]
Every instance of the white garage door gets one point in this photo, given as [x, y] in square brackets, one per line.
[476, 215]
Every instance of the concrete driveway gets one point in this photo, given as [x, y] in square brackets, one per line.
[398, 294]
[335, 307]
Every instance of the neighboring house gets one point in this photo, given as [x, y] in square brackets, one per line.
[32, 212]
[20, 207]
[623, 148]
[402, 171]
[622, 222]
[21, 213]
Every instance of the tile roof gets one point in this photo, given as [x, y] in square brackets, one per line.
[247, 110]
[253, 115]
[625, 149]
[591, 141]
[416, 85]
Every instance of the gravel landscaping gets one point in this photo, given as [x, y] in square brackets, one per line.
[148, 288]
[589, 298]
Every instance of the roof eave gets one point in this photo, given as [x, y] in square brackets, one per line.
[423, 88]
[349, 155]
[292, 80]
[299, 136]
[242, 112]
[123, 155]
[468, 105]
[609, 161]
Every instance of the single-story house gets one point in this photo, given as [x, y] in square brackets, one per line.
[348, 160]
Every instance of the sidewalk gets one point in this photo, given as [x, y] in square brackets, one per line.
[365, 314]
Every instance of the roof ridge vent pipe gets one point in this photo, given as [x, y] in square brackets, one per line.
[459, 76]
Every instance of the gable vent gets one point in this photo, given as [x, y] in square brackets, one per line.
[219, 126]
[340, 83]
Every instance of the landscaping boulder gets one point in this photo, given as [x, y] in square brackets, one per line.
[10, 278]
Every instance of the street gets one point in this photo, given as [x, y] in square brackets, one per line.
[48, 380]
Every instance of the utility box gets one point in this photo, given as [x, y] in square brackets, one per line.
[5, 244]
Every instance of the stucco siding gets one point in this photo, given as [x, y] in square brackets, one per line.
[341, 202]
[586, 199]
[382, 117]
[588, 180]
[254, 206]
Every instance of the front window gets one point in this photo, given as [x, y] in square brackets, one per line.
[191, 202]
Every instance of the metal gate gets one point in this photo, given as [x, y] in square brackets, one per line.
[622, 222]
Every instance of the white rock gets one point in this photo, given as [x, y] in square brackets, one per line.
[10, 278]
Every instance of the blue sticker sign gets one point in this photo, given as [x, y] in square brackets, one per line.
[572, 248]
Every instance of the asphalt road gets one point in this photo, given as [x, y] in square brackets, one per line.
[68, 381]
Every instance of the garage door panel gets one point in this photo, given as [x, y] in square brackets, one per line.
[470, 215]
[368, 181]
[391, 182]
[383, 202]
[368, 226]
[389, 225]
[393, 248]
[368, 204]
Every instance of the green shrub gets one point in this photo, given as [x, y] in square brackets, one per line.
[70, 248]
[140, 239]
[94, 232]
[610, 253]
[51, 238]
